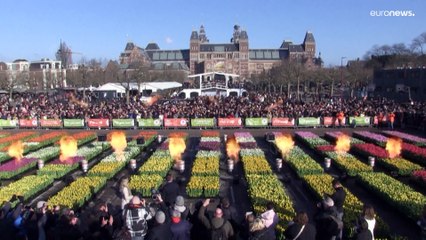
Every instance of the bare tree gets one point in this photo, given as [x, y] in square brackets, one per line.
[418, 44]
[358, 75]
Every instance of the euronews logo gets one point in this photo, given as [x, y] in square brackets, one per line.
[392, 13]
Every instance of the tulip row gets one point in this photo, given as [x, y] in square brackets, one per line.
[333, 136]
[78, 192]
[264, 185]
[348, 163]
[321, 184]
[404, 198]
[410, 151]
[152, 171]
[311, 139]
[15, 167]
[84, 137]
[418, 141]
[371, 137]
[402, 166]
[110, 166]
[26, 187]
[59, 168]
[205, 171]
[15, 137]
[302, 163]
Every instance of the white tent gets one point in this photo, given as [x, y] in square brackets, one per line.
[112, 87]
[158, 86]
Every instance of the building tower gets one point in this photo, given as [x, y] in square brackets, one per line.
[203, 37]
[243, 43]
[309, 44]
[194, 50]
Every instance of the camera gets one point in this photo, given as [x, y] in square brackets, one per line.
[155, 193]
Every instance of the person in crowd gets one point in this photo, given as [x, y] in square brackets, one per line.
[136, 216]
[179, 206]
[126, 193]
[270, 219]
[300, 228]
[326, 220]
[367, 215]
[422, 223]
[245, 228]
[161, 229]
[181, 228]
[218, 227]
[340, 116]
[391, 118]
[170, 190]
[363, 232]
[230, 213]
[258, 230]
[338, 197]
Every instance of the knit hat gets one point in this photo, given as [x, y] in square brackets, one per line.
[328, 201]
[160, 217]
[180, 204]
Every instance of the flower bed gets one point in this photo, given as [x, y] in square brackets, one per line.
[84, 137]
[302, 163]
[27, 187]
[322, 183]
[333, 136]
[402, 197]
[349, 163]
[210, 134]
[78, 192]
[205, 171]
[418, 141]
[203, 186]
[143, 183]
[415, 153]
[6, 141]
[311, 139]
[371, 137]
[325, 148]
[263, 184]
[109, 166]
[402, 166]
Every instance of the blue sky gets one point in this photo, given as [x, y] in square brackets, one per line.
[100, 29]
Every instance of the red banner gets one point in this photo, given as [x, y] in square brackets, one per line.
[282, 122]
[175, 122]
[98, 123]
[51, 123]
[229, 122]
[28, 123]
[328, 121]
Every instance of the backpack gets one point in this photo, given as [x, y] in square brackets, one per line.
[218, 233]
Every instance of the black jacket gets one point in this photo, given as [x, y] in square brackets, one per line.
[309, 232]
[160, 232]
[339, 197]
[169, 192]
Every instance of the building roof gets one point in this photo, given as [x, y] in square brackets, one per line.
[309, 37]
[295, 48]
[194, 35]
[152, 46]
[286, 44]
[243, 34]
[168, 55]
[170, 66]
[221, 47]
[129, 46]
[266, 54]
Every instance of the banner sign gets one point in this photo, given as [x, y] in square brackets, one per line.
[229, 122]
[283, 122]
[360, 121]
[328, 121]
[4, 123]
[149, 122]
[52, 123]
[123, 123]
[202, 122]
[175, 122]
[256, 122]
[30, 123]
[73, 123]
[98, 123]
[309, 121]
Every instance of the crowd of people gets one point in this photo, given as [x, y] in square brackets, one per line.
[60, 106]
[168, 216]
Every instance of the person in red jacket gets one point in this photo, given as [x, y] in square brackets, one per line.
[391, 119]
[340, 116]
